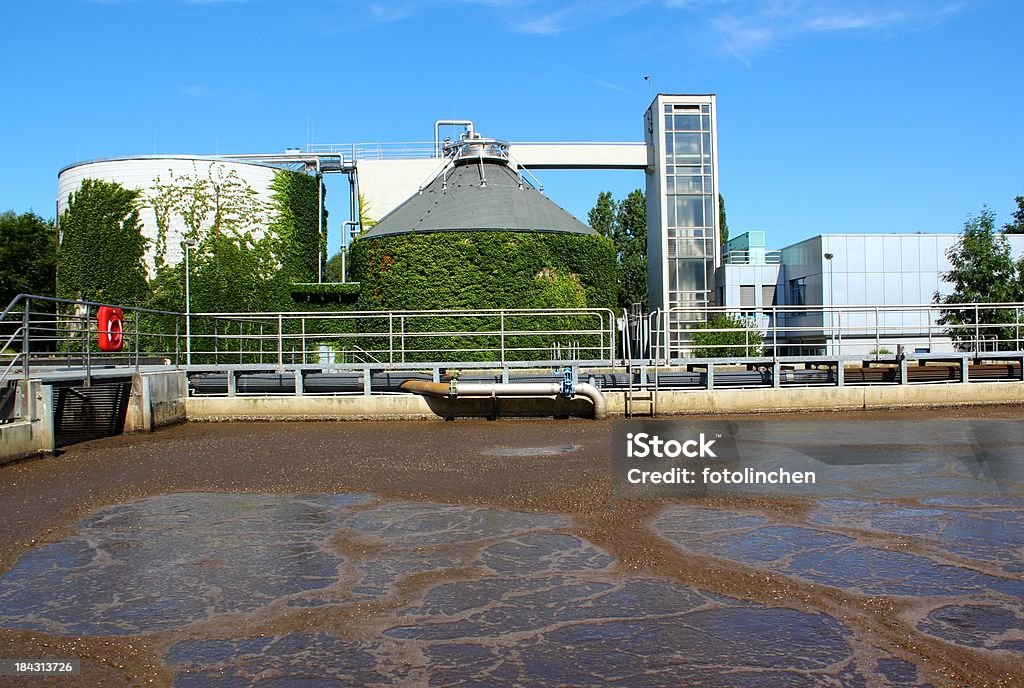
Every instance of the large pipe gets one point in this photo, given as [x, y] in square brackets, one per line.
[507, 389]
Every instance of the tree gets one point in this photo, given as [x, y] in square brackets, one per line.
[28, 257]
[1017, 225]
[625, 223]
[983, 271]
[602, 216]
[632, 224]
[366, 222]
[723, 224]
[726, 336]
[102, 249]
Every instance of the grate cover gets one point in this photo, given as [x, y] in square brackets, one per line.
[89, 413]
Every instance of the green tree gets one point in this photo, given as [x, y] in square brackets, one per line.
[102, 249]
[983, 271]
[366, 222]
[632, 224]
[602, 217]
[723, 223]
[726, 336]
[28, 257]
[625, 223]
[1016, 226]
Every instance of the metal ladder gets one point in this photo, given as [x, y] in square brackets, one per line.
[642, 395]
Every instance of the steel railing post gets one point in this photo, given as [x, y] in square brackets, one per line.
[775, 332]
[501, 328]
[137, 314]
[391, 338]
[88, 346]
[280, 342]
[878, 337]
[839, 332]
[977, 330]
[26, 343]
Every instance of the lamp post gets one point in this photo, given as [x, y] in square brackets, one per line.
[188, 244]
[831, 303]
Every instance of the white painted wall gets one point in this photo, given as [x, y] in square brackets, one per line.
[386, 184]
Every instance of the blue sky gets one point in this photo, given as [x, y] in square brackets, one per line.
[834, 115]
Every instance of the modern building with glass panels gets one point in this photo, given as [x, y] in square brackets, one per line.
[847, 294]
[682, 209]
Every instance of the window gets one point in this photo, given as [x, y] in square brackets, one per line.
[746, 297]
[767, 295]
[798, 291]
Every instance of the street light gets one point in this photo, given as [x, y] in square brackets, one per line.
[831, 302]
[186, 245]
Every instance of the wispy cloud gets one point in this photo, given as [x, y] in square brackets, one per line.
[747, 27]
[537, 17]
[199, 91]
[390, 12]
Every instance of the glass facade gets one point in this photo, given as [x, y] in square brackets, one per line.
[682, 199]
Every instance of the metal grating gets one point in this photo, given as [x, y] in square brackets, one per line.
[89, 413]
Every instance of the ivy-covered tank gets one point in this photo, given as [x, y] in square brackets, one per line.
[479, 235]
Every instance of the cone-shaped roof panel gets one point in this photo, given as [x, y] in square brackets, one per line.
[478, 194]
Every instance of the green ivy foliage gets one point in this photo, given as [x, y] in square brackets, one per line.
[484, 270]
[102, 246]
[296, 224]
[473, 270]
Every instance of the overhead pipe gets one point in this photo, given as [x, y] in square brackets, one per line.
[456, 390]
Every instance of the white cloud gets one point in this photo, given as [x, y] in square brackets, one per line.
[390, 12]
[750, 26]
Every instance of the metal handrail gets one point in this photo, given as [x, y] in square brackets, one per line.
[778, 323]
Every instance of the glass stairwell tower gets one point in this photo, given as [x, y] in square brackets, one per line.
[683, 240]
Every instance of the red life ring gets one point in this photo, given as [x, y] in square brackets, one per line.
[110, 326]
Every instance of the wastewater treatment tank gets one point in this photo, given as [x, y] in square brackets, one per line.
[480, 235]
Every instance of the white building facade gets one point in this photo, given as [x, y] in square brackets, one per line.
[849, 294]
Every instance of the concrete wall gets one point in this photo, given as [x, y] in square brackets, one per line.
[157, 399]
[397, 407]
[669, 403]
[386, 184]
[33, 434]
[828, 398]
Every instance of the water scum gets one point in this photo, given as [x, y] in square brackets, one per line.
[436, 566]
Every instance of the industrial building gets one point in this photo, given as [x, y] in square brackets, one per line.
[850, 294]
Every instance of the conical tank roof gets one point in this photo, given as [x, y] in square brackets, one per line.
[478, 193]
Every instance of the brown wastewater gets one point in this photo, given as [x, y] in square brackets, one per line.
[482, 553]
